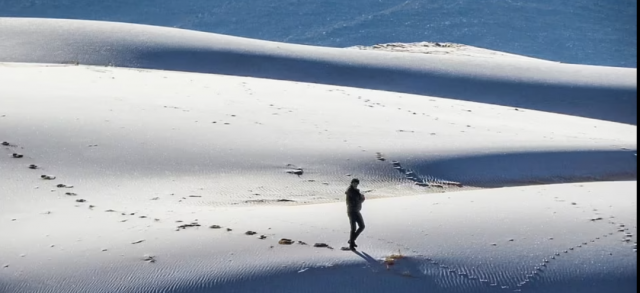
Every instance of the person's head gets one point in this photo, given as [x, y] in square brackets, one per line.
[355, 182]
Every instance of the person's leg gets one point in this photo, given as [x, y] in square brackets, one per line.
[352, 233]
[360, 221]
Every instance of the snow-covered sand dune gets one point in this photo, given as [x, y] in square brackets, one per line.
[562, 238]
[195, 133]
[138, 164]
[604, 93]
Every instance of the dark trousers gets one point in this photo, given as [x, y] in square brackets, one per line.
[355, 217]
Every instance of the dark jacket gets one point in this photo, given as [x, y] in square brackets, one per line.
[354, 199]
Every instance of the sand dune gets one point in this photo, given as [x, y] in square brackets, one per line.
[605, 93]
[563, 238]
[214, 132]
[139, 180]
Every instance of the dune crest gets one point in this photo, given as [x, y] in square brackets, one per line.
[605, 92]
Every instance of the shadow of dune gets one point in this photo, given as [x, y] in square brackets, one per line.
[526, 168]
[356, 278]
[604, 93]
[614, 104]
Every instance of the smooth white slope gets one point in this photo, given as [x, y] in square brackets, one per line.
[556, 238]
[230, 140]
[588, 91]
[141, 145]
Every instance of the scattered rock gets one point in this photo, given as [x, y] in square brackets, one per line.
[185, 226]
[33, 167]
[195, 196]
[109, 211]
[215, 227]
[64, 186]
[302, 243]
[6, 143]
[17, 156]
[137, 242]
[47, 177]
[297, 171]
[321, 245]
[229, 229]
[285, 200]
[149, 258]
[81, 200]
[250, 233]
[70, 193]
[285, 241]
[262, 237]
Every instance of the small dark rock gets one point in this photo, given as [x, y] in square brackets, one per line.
[185, 226]
[285, 241]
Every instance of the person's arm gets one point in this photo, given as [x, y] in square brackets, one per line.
[361, 197]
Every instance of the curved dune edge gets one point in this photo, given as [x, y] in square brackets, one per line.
[605, 93]
[527, 238]
[191, 134]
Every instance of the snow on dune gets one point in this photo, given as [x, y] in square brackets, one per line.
[563, 238]
[439, 48]
[112, 178]
[604, 92]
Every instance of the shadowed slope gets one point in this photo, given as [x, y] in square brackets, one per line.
[595, 92]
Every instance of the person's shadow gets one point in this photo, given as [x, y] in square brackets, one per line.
[370, 260]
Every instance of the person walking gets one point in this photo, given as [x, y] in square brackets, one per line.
[354, 204]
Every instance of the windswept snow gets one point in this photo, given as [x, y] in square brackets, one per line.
[137, 159]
